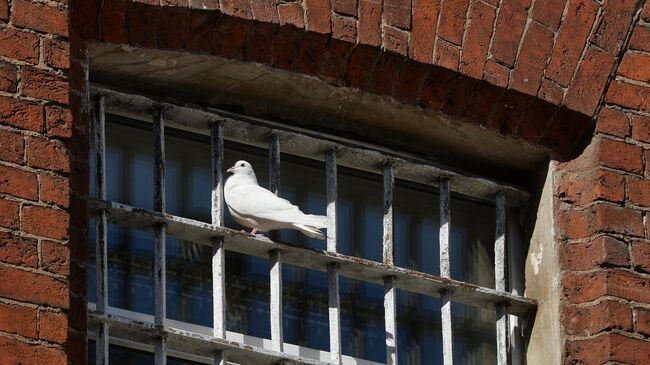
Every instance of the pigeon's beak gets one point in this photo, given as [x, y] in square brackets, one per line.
[232, 169]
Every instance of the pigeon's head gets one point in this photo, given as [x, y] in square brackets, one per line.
[242, 167]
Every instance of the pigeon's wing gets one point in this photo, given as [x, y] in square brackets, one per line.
[255, 201]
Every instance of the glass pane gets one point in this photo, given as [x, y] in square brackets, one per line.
[419, 334]
[126, 356]
[474, 335]
[362, 320]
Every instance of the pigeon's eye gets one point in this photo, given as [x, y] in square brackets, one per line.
[242, 165]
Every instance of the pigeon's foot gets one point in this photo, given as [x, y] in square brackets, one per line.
[254, 231]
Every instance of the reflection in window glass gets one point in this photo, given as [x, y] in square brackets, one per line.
[125, 356]
[359, 233]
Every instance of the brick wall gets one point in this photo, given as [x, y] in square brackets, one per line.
[538, 71]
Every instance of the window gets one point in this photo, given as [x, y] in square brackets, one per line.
[377, 278]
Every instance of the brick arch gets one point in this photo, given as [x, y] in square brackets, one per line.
[385, 59]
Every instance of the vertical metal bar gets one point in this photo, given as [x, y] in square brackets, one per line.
[390, 300]
[445, 271]
[277, 342]
[500, 277]
[390, 305]
[218, 250]
[334, 302]
[160, 300]
[101, 253]
[274, 172]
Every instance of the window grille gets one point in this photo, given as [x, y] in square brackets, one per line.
[114, 326]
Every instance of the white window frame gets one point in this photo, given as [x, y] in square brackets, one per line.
[165, 337]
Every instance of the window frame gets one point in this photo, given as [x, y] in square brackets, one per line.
[168, 335]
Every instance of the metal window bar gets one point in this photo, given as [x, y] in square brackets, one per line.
[445, 272]
[222, 238]
[500, 278]
[390, 302]
[334, 301]
[101, 225]
[218, 249]
[160, 292]
[275, 256]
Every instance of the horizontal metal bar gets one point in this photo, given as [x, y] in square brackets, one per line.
[349, 266]
[311, 144]
[191, 342]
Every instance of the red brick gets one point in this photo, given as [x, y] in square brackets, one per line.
[614, 122]
[640, 38]
[44, 85]
[347, 7]
[264, 11]
[56, 53]
[335, 61]
[584, 188]
[231, 37]
[588, 321]
[585, 287]
[41, 17]
[291, 13]
[496, 73]
[56, 257]
[535, 49]
[602, 251]
[629, 95]
[43, 289]
[285, 51]
[646, 158]
[53, 327]
[620, 155]
[642, 317]
[208, 4]
[18, 320]
[435, 89]
[451, 25]
[607, 347]
[585, 91]
[238, 8]
[566, 127]
[141, 23]
[484, 103]
[548, 13]
[385, 73]
[645, 13]
[370, 22]
[4, 9]
[600, 218]
[396, 40]
[550, 92]
[170, 27]
[259, 46]
[477, 40]
[638, 191]
[317, 14]
[19, 183]
[641, 255]
[55, 190]
[509, 112]
[635, 66]
[410, 82]
[112, 18]
[509, 28]
[58, 122]
[344, 28]
[16, 352]
[47, 154]
[12, 147]
[447, 55]
[459, 97]
[18, 250]
[423, 34]
[536, 118]
[21, 114]
[641, 128]
[310, 53]
[173, 3]
[8, 77]
[200, 31]
[362, 60]
[9, 214]
[615, 21]
[571, 40]
[47, 222]
[397, 13]
[21, 46]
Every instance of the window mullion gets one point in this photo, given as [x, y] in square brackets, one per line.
[160, 305]
[500, 278]
[101, 225]
[218, 249]
[275, 256]
[445, 271]
[332, 269]
[390, 300]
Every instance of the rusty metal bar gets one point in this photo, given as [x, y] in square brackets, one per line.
[274, 172]
[445, 271]
[388, 257]
[500, 278]
[101, 225]
[389, 187]
[277, 340]
[218, 249]
[334, 301]
[160, 287]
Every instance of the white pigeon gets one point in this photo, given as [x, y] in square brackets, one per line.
[254, 207]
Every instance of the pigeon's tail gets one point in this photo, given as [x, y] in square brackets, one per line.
[310, 231]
